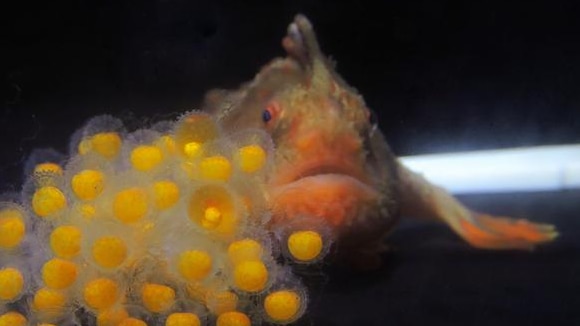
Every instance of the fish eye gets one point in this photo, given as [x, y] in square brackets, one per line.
[266, 115]
[270, 112]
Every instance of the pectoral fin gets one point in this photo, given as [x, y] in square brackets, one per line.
[419, 198]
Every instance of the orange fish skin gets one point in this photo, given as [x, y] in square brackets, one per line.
[332, 164]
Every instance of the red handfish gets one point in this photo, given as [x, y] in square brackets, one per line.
[171, 223]
[333, 164]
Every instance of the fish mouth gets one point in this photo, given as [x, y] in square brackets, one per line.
[335, 193]
[324, 170]
[316, 168]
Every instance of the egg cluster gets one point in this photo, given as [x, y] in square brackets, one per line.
[167, 225]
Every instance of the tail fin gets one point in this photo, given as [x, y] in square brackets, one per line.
[419, 198]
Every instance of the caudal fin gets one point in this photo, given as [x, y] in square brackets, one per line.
[419, 198]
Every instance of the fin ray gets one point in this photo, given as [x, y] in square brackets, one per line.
[419, 198]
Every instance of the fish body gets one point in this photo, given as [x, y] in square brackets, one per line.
[332, 163]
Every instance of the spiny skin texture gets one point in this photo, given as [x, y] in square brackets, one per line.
[330, 162]
[333, 164]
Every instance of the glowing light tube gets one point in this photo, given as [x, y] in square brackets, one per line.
[543, 168]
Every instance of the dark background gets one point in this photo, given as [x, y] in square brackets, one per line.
[442, 76]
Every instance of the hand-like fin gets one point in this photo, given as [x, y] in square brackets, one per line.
[419, 198]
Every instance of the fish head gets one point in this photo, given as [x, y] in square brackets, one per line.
[331, 162]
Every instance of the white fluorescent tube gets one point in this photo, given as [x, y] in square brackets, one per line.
[543, 168]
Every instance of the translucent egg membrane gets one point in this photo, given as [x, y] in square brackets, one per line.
[160, 226]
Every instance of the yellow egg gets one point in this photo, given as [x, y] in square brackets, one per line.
[11, 283]
[212, 208]
[109, 251]
[12, 318]
[211, 218]
[251, 158]
[194, 265]
[182, 319]
[233, 318]
[156, 297]
[146, 158]
[49, 302]
[251, 276]
[244, 250]
[112, 316]
[101, 293]
[59, 273]
[65, 241]
[88, 184]
[305, 245]
[107, 144]
[130, 205]
[12, 228]
[282, 306]
[47, 201]
[166, 194]
[195, 128]
[48, 168]
[215, 168]
[192, 149]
